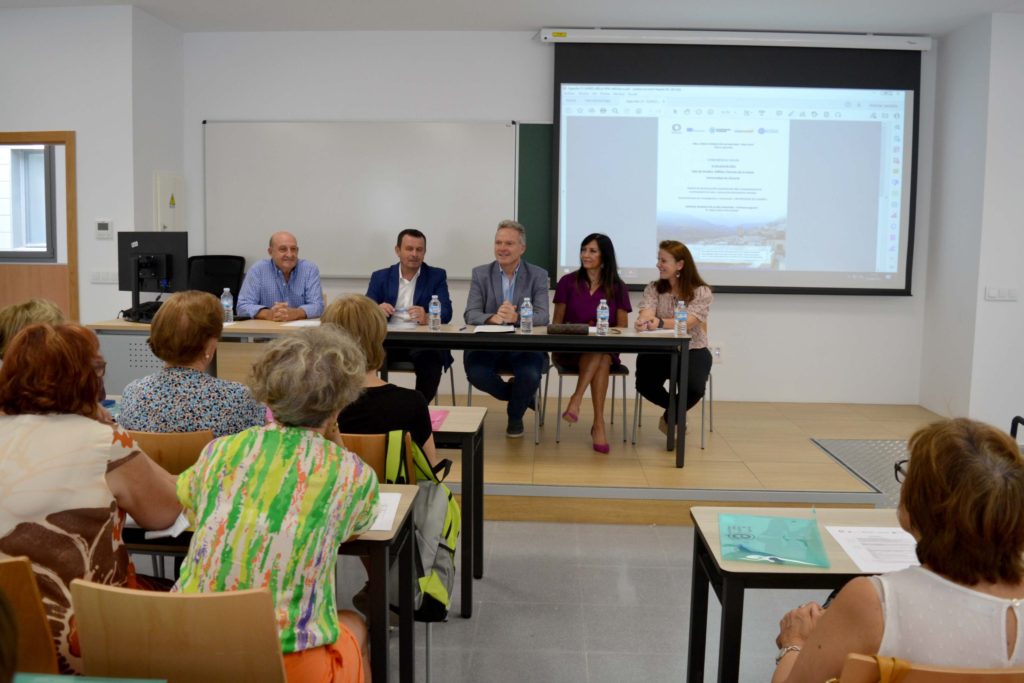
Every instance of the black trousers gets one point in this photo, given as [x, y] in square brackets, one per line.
[428, 364]
[652, 371]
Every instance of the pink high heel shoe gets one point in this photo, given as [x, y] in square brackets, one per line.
[603, 448]
[570, 417]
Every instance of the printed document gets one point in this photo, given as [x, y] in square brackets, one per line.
[876, 550]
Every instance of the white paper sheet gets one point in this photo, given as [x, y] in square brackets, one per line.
[876, 550]
[303, 323]
[494, 328]
[386, 511]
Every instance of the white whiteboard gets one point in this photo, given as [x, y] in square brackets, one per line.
[345, 189]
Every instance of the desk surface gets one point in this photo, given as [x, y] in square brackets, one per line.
[461, 419]
[619, 337]
[408, 494]
[706, 522]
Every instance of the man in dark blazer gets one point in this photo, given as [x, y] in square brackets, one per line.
[403, 292]
[496, 294]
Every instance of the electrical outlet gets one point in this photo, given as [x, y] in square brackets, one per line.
[716, 354]
[100, 277]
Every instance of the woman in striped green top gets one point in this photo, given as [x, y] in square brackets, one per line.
[270, 505]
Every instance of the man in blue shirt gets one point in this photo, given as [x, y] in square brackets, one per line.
[403, 292]
[282, 287]
[496, 292]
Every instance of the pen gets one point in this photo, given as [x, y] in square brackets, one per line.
[462, 328]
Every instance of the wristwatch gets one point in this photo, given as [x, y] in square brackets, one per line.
[785, 651]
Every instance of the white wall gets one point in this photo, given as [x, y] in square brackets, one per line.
[959, 186]
[788, 348]
[70, 69]
[157, 103]
[997, 376]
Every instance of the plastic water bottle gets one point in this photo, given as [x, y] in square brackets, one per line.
[680, 318]
[526, 316]
[227, 302]
[602, 318]
[434, 314]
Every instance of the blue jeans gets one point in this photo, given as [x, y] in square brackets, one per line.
[482, 369]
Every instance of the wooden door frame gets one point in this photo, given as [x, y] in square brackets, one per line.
[67, 139]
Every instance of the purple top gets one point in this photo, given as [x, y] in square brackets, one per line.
[581, 305]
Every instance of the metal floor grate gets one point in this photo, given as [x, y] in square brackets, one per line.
[871, 459]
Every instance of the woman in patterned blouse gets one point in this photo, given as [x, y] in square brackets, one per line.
[271, 505]
[678, 279]
[67, 478]
[183, 397]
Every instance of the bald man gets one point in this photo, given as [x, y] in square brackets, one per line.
[283, 287]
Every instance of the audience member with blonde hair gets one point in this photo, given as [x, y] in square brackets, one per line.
[382, 407]
[962, 496]
[183, 397]
[17, 316]
[66, 479]
[271, 505]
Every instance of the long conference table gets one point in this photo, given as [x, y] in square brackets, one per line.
[128, 357]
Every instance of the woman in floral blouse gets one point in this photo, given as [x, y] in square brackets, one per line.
[183, 397]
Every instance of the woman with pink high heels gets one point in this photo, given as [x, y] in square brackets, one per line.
[576, 299]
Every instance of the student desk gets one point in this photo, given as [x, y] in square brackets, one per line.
[463, 429]
[379, 546]
[731, 578]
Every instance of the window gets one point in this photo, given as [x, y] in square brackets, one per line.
[27, 208]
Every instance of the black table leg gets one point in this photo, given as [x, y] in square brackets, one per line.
[731, 631]
[469, 477]
[378, 625]
[682, 383]
[406, 622]
[478, 522]
[698, 611]
[673, 403]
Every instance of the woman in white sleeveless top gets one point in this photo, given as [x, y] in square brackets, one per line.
[962, 497]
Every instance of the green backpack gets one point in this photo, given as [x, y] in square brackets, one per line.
[437, 520]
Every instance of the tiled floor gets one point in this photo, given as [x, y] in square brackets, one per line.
[589, 603]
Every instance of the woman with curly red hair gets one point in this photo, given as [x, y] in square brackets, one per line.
[66, 477]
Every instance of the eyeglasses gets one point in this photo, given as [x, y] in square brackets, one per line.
[100, 366]
[900, 470]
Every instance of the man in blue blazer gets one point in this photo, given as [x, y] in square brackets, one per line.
[403, 292]
[496, 292]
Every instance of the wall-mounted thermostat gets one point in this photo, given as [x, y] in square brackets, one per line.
[104, 229]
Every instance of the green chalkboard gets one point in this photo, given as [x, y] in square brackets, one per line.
[535, 187]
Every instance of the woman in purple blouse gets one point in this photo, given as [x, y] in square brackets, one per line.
[576, 298]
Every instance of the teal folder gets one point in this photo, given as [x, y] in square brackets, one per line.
[772, 540]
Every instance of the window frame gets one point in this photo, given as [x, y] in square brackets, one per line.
[49, 254]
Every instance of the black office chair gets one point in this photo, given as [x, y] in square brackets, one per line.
[213, 273]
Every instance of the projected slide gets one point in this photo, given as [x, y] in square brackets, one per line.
[786, 187]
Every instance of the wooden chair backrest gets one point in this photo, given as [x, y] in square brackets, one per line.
[185, 638]
[174, 451]
[36, 653]
[372, 448]
[864, 669]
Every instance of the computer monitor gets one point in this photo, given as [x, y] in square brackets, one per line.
[152, 262]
